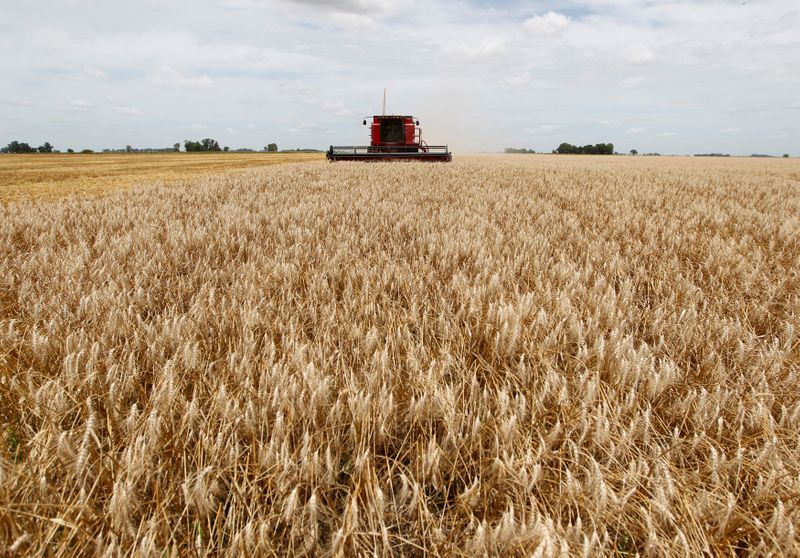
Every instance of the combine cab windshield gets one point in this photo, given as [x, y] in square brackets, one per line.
[392, 130]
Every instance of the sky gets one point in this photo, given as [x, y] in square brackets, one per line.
[675, 77]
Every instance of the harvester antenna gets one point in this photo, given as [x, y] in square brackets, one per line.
[384, 101]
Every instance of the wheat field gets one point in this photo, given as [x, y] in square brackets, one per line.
[508, 356]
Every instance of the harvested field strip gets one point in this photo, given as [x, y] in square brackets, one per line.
[496, 356]
[55, 176]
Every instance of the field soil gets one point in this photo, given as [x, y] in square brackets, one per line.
[510, 356]
[50, 176]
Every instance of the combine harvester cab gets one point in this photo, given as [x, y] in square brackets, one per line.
[393, 138]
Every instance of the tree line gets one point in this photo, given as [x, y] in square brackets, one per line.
[210, 144]
[22, 147]
[568, 148]
[190, 146]
[596, 149]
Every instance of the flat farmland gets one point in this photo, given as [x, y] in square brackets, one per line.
[510, 356]
[49, 176]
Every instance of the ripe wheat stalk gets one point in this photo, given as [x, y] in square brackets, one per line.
[537, 356]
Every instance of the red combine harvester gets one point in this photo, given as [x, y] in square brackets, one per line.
[394, 138]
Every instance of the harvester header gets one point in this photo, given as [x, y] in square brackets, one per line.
[392, 138]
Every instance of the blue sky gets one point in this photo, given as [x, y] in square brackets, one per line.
[673, 77]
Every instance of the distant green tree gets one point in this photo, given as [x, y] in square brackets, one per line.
[18, 147]
[226, 149]
[634, 152]
[596, 149]
[177, 146]
[272, 147]
[70, 150]
[785, 155]
[211, 145]
[22, 147]
[87, 151]
[128, 148]
[206, 144]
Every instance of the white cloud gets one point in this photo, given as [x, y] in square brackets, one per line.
[251, 126]
[632, 82]
[129, 111]
[94, 72]
[168, 77]
[637, 130]
[545, 131]
[357, 6]
[332, 108]
[520, 78]
[354, 21]
[17, 102]
[547, 25]
[484, 47]
[640, 54]
[729, 130]
[231, 131]
[198, 126]
[78, 105]
[757, 107]
[313, 98]
[668, 134]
